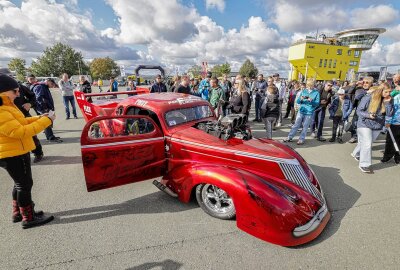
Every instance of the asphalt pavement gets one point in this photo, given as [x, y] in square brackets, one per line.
[137, 226]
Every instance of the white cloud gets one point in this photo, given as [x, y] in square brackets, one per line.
[214, 45]
[27, 30]
[154, 20]
[218, 4]
[292, 16]
[373, 16]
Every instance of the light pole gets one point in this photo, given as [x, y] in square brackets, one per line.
[79, 67]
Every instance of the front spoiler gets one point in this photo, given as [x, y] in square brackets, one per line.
[313, 224]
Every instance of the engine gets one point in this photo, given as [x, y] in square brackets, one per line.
[230, 126]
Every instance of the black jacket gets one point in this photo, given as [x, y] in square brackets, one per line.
[158, 88]
[241, 103]
[25, 96]
[182, 89]
[270, 106]
[86, 87]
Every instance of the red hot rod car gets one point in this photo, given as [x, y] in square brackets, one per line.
[267, 186]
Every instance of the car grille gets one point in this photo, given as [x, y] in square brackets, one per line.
[296, 174]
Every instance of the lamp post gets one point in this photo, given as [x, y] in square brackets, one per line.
[79, 67]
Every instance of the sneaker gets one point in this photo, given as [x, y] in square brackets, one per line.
[353, 140]
[332, 140]
[255, 120]
[355, 157]
[314, 135]
[76, 117]
[397, 160]
[384, 160]
[55, 140]
[300, 142]
[321, 139]
[287, 140]
[37, 158]
[340, 140]
[67, 118]
[366, 170]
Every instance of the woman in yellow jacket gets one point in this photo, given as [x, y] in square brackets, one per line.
[16, 142]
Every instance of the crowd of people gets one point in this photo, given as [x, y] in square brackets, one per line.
[363, 108]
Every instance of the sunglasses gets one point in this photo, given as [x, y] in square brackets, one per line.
[329, 85]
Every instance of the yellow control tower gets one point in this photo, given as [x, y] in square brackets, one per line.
[336, 57]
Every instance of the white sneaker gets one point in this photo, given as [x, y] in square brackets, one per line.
[355, 157]
[314, 135]
[278, 124]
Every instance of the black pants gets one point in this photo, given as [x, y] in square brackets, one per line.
[257, 105]
[337, 123]
[354, 124]
[390, 151]
[19, 168]
[289, 108]
[38, 151]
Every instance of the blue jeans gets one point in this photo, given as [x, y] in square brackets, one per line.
[301, 120]
[318, 121]
[71, 100]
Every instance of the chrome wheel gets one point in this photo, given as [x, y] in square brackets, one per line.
[215, 201]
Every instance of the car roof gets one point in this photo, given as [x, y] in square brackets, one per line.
[163, 102]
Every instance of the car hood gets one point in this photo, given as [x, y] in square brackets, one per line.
[256, 148]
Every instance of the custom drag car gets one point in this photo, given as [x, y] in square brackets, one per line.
[267, 186]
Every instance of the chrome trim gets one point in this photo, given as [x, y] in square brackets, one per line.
[121, 143]
[240, 153]
[312, 224]
[296, 174]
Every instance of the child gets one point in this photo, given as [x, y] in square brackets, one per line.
[339, 111]
[270, 109]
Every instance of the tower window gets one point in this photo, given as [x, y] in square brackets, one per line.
[320, 62]
[325, 62]
[330, 63]
[339, 52]
[349, 52]
[334, 63]
[356, 53]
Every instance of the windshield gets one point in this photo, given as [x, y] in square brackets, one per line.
[184, 115]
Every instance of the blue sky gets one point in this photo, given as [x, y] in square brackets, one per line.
[186, 32]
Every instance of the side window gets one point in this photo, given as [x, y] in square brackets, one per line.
[119, 127]
[140, 111]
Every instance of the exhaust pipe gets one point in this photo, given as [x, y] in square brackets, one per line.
[165, 189]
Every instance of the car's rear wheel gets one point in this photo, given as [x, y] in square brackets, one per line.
[215, 201]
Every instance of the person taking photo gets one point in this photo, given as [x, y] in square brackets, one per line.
[16, 132]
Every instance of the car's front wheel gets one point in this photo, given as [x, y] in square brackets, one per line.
[215, 201]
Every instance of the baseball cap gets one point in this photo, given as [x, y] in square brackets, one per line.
[341, 92]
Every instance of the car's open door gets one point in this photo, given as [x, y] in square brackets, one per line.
[118, 150]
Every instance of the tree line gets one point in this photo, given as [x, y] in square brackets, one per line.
[62, 58]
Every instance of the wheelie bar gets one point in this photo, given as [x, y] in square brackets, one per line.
[164, 188]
